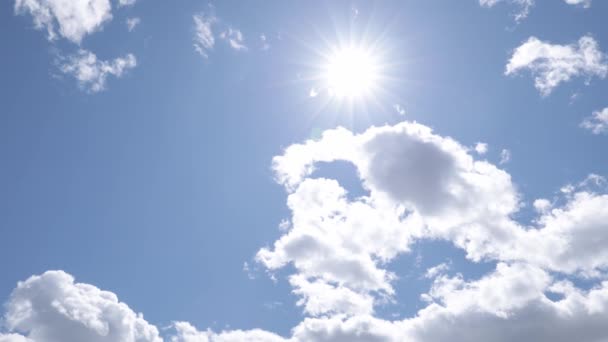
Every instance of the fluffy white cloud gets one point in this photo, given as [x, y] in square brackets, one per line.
[132, 23]
[92, 73]
[481, 148]
[418, 185]
[597, 123]
[552, 64]
[67, 18]
[53, 308]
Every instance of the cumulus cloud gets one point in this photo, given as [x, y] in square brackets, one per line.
[553, 64]
[53, 308]
[597, 123]
[72, 20]
[92, 73]
[186, 332]
[417, 185]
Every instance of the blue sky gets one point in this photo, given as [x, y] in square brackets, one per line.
[195, 160]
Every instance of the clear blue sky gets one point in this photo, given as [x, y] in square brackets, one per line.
[159, 186]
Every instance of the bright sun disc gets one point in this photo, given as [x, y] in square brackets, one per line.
[351, 72]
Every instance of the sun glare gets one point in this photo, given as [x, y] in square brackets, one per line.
[351, 72]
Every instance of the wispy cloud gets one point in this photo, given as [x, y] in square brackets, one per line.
[132, 23]
[92, 73]
[234, 38]
[399, 109]
[523, 5]
[597, 123]
[505, 156]
[203, 38]
[126, 2]
[209, 29]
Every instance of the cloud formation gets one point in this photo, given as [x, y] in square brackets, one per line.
[53, 308]
[583, 3]
[203, 37]
[132, 23]
[523, 5]
[418, 186]
[92, 73]
[72, 20]
[597, 123]
[126, 2]
[553, 64]
[208, 29]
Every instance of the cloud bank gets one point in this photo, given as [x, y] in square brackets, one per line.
[418, 186]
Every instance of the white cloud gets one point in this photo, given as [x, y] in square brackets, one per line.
[53, 308]
[185, 332]
[132, 23]
[583, 3]
[313, 92]
[205, 26]
[552, 64]
[420, 186]
[69, 19]
[505, 156]
[437, 270]
[264, 42]
[13, 338]
[126, 2]
[524, 6]
[92, 73]
[320, 298]
[234, 38]
[417, 185]
[345, 242]
[597, 123]
[204, 39]
[399, 109]
[542, 205]
[481, 148]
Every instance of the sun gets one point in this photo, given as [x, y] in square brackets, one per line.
[351, 72]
